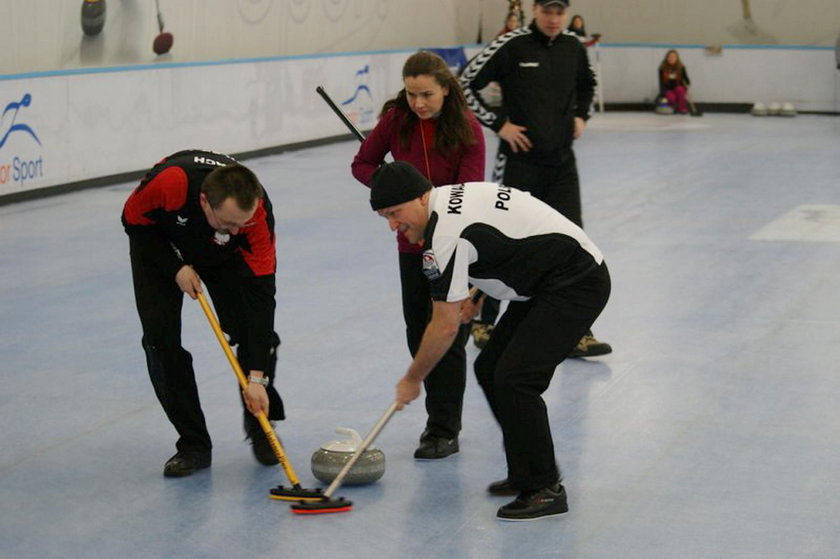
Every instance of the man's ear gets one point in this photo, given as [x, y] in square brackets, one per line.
[424, 199]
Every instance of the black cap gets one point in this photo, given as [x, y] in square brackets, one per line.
[563, 3]
[396, 183]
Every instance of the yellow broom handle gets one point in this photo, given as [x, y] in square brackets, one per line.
[243, 382]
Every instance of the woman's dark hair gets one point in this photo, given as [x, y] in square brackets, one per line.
[232, 181]
[453, 131]
[665, 63]
[580, 32]
[666, 69]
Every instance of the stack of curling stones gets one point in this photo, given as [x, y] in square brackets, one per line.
[328, 460]
[773, 109]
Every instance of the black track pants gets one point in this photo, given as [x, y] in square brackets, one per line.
[556, 185]
[159, 303]
[516, 367]
[445, 384]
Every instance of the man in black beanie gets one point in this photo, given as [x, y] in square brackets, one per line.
[395, 183]
[513, 247]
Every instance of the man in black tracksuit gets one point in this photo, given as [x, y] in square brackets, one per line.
[547, 87]
[199, 216]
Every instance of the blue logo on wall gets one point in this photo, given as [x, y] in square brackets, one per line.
[19, 169]
[14, 108]
[360, 104]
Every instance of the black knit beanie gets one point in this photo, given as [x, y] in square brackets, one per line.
[395, 183]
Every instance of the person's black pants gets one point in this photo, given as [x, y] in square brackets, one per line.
[557, 185]
[446, 383]
[518, 362]
[159, 303]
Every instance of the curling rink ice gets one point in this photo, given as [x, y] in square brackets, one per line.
[711, 431]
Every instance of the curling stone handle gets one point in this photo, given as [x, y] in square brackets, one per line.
[355, 438]
[359, 451]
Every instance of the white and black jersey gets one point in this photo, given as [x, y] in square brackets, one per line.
[503, 241]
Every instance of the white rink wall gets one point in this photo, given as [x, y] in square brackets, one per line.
[72, 126]
[241, 75]
[44, 35]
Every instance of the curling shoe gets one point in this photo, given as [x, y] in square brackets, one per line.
[531, 505]
[589, 346]
[502, 488]
[186, 463]
[434, 448]
[259, 442]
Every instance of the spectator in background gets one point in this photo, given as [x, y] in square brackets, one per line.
[513, 21]
[429, 126]
[674, 82]
[547, 87]
[577, 27]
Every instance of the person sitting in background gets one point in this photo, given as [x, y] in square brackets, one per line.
[674, 82]
[577, 27]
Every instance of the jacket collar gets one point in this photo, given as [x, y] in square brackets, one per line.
[540, 36]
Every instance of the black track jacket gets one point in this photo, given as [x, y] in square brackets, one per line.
[545, 84]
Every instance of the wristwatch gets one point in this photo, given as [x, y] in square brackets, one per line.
[258, 380]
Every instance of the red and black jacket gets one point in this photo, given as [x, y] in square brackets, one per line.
[163, 216]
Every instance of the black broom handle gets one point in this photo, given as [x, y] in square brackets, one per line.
[340, 114]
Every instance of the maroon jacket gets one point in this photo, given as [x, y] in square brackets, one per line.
[466, 166]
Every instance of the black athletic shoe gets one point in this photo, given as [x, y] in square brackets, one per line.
[261, 447]
[589, 346]
[186, 463]
[531, 505]
[435, 448]
[502, 488]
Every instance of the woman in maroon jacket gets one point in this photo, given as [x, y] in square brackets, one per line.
[428, 125]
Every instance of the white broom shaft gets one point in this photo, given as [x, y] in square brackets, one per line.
[365, 443]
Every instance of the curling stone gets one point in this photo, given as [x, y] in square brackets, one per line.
[774, 108]
[788, 109]
[759, 109]
[93, 17]
[663, 107]
[328, 460]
